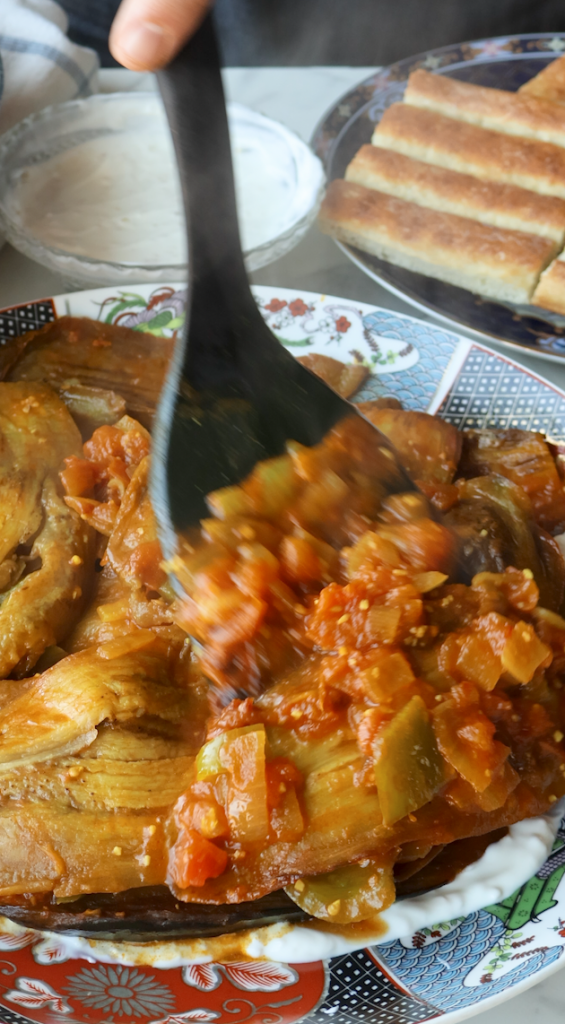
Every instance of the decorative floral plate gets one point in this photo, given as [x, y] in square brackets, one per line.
[503, 63]
[445, 972]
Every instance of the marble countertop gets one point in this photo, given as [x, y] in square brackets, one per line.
[299, 97]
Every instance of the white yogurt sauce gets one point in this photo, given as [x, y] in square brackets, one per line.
[502, 869]
[116, 197]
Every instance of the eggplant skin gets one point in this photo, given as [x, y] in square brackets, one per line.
[485, 544]
[495, 527]
[144, 914]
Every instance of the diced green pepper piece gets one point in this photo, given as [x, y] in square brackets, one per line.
[349, 894]
[208, 761]
[409, 768]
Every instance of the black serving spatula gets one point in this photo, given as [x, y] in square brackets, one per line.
[233, 395]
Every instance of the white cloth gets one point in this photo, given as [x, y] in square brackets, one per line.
[38, 64]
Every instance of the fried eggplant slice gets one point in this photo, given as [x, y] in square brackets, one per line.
[43, 586]
[95, 355]
[40, 609]
[47, 848]
[524, 458]
[118, 610]
[92, 755]
[485, 543]
[92, 407]
[345, 378]
[36, 434]
[101, 784]
[427, 447]
[495, 525]
[133, 551]
[138, 914]
[59, 712]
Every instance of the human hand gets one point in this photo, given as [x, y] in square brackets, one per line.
[146, 34]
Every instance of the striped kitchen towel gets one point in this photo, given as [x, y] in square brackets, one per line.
[38, 64]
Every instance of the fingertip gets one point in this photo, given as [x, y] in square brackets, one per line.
[141, 46]
[146, 34]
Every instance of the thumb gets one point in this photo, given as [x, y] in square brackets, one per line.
[146, 34]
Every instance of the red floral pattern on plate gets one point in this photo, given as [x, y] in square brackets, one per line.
[298, 307]
[181, 1018]
[35, 994]
[78, 992]
[250, 976]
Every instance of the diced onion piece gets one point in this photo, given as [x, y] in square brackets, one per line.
[383, 623]
[461, 794]
[257, 569]
[370, 551]
[426, 581]
[228, 501]
[321, 496]
[114, 611]
[354, 892]
[127, 644]
[551, 618]
[408, 766]
[465, 737]
[247, 810]
[477, 662]
[271, 486]
[328, 556]
[388, 675]
[205, 816]
[524, 652]
[209, 760]
[424, 544]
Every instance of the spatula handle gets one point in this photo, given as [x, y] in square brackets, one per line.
[193, 94]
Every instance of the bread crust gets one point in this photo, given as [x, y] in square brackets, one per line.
[549, 84]
[528, 116]
[550, 292]
[504, 206]
[493, 156]
[501, 264]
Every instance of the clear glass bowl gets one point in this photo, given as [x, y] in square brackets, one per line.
[65, 127]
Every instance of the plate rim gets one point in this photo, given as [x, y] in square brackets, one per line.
[450, 326]
[442, 318]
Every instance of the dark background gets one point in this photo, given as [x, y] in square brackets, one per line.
[354, 32]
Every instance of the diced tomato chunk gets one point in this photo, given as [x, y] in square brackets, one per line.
[424, 544]
[145, 564]
[105, 444]
[281, 774]
[205, 816]
[195, 859]
[79, 476]
[238, 714]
